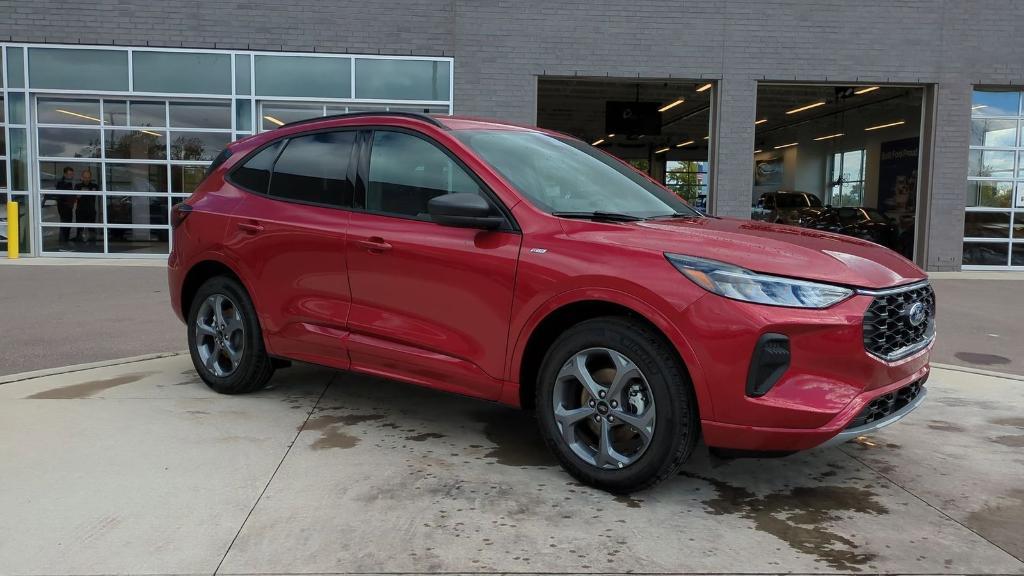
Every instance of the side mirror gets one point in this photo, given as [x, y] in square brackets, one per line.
[463, 210]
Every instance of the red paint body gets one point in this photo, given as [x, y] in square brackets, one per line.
[454, 308]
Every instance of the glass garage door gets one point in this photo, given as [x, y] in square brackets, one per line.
[994, 217]
[108, 170]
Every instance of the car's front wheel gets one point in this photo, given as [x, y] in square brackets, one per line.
[615, 405]
[224, 338]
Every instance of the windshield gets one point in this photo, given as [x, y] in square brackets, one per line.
[791, 200]
[563, 175]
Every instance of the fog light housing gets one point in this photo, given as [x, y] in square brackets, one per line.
[768, 363]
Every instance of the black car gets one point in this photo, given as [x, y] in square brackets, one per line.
[865, 223]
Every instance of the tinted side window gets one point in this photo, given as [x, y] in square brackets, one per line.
[314, 168]
[254, 175]
[406, 172]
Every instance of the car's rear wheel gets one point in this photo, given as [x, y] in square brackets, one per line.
[615, 405]
[224, 338]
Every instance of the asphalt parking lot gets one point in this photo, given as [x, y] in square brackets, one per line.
[139, 468]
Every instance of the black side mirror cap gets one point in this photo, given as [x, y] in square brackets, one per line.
[463, 210]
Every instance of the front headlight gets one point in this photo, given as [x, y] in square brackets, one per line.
[741, 284]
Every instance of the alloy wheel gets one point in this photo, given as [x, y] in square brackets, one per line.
[220, 335]
[604, 408]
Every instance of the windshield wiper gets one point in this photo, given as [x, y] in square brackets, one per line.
[599, 215]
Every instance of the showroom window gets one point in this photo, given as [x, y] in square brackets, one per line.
[994, 215]
[688, 179]
[109, 170]
[846, 178]
[98, 142]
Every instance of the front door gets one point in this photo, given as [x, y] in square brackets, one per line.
[290, 234]
[430, 303]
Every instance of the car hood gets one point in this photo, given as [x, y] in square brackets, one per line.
[776, 249]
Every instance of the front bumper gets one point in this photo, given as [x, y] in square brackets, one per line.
[831, 377]
[850, 433]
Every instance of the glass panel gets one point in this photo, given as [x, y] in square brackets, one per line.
[243, 115]
[365, 108]
[15, 67]
[65, 239]
[402, 79]
[69, 142]
[137, 210]
[66, 111]
[23, 223]
[147, 113]
[995, 103]
[68, 175]
[303, 76]
[198, 145]
[1020, 195]
[136, 144]
[17, 152]
[406, 172]
[1000, 133]
[68, 209]
[67, 69]
[987, 224]
[990, 163]
[277, 115]
[137, 240]
[3, 163]
[243, 78]
[201, 115]
[254, 175]
[993, 194]
[1017, 257]
[115, 112]
[184, 179]
[15, 108]
[314, 168]
[181, 72]
[3, 108]
[136, 177]
[986, 253]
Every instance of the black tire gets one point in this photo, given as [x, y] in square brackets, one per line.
[255, 367]
[676, 426]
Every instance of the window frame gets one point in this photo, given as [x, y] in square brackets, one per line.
[351, 170]
[366, 150]
[830, 184]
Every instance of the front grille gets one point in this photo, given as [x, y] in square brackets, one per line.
[888, 330]
[887, 404]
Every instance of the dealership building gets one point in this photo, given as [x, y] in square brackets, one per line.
[905, 114]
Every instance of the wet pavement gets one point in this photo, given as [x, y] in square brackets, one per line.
[139, 468]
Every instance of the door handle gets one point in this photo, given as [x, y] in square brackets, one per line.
[250, 227]
[374, 244]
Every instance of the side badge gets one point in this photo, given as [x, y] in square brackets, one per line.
[539, 250]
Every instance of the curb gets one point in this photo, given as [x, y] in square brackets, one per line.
[9, 378]
[979, 371]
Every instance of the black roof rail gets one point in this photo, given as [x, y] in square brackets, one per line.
[416, 115]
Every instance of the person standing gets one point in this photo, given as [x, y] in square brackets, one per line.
[86, 210]
[65, 206]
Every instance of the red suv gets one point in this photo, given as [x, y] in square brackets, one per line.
[525, 267]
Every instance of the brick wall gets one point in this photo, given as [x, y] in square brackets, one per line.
[501, 46]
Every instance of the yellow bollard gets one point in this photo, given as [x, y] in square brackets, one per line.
[12, 230]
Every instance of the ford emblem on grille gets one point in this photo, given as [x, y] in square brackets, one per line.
[917, 313]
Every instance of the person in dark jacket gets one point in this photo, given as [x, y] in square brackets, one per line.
[65, 205]
[86, 210]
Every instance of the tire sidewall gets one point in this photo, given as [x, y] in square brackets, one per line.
[238, 380]
[673, 403]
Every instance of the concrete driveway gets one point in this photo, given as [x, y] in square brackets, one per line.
[139, 468]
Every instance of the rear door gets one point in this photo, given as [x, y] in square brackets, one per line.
[430, 303]
[289, 236]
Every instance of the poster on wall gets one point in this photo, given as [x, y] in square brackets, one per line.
[897, 178]
[768, 172]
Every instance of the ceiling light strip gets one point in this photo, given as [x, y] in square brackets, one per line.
[880, 126]
[807, 107]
